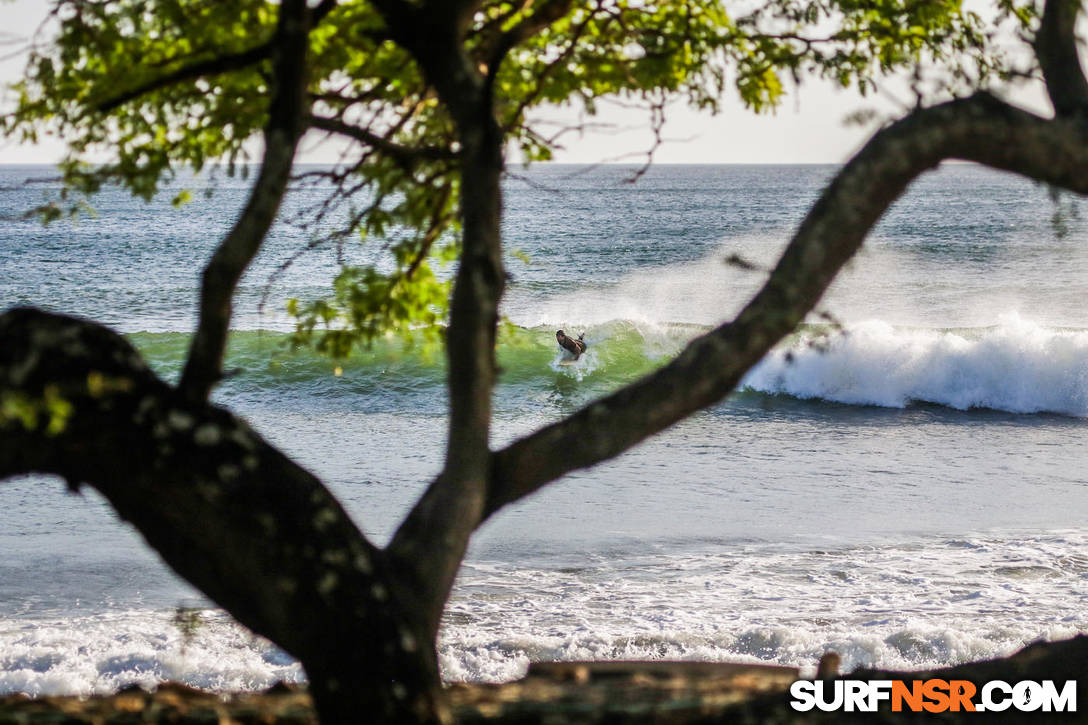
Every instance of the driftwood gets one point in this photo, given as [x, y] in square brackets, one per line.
[583, 693]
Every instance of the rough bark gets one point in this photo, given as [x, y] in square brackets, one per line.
[228, 512]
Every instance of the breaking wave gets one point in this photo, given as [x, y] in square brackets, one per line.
[1015, 366]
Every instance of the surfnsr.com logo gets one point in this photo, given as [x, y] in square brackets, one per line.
[933, 695]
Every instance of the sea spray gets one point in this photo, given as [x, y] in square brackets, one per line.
[1015, 366]
[578, 369]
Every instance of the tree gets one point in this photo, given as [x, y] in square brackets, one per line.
[432, 94]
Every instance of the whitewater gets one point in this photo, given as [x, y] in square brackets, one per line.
[900, 480]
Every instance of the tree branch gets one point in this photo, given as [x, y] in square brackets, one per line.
[979, 128]
[1056, 48]
[203, 367]
[228, 512]
[322, 9]
[210, 67]
[544, 14]
[432, 33]
[403, 154]
[543, 73]
[432, 540]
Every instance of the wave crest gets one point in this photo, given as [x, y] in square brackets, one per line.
[1016, 366]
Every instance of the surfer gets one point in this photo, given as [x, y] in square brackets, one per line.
[574, 347]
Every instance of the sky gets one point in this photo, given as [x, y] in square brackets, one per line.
[809, 127]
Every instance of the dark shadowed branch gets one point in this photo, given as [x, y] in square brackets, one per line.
[201, 69]
[1056, 49]
[257, 533]
[209, 67]
[559, 61]
[403, 154]
[979, 128]
[320, 10]
[432, 540]
[544, 13]
[203, 367]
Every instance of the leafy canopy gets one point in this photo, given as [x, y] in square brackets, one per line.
[160, 85]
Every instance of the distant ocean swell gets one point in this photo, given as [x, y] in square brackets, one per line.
[1015, 366]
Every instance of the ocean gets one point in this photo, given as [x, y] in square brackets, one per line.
[902, 481]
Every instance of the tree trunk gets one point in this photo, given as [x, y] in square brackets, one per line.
[257, 533]
[434, 536]
[432, 540]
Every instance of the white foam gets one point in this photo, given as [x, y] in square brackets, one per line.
[104, 653]
[913, 606]
[925, 603]
[1016, 366]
